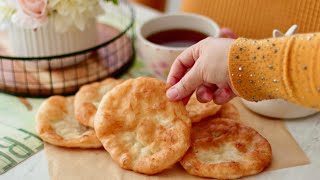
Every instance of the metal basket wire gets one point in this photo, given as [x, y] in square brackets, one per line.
[36, 77]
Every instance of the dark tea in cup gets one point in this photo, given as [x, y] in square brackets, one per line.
[176, 37]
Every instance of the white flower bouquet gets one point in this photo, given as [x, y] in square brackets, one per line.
[50, 27]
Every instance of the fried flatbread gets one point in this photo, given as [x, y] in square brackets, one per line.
[88, 98]
[140, 128]
[198, 111]
[228, 111]
[57, 125]
[226, 149]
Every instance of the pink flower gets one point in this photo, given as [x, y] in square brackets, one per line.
[36, 9]
[31, 14]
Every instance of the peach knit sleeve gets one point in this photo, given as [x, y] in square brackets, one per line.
[285, 68]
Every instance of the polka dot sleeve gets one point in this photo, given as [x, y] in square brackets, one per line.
[279, 68]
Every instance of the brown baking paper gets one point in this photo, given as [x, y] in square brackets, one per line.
[65, 164]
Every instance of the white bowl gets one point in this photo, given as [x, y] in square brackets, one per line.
[279, 108]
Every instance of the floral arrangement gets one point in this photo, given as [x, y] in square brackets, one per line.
[32, 14]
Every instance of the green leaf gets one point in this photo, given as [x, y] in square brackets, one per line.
[116, 2]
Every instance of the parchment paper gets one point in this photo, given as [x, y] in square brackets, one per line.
[65, 164]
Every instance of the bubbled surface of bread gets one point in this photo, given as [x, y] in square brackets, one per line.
[226, 149]
[198, 111]
[141, 129]
[57, 125]
[88, 98]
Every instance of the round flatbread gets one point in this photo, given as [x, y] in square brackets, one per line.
[141, 129]
[226, 149]
[198, 111]
[57, 125]
[228, 111]
[88, 98]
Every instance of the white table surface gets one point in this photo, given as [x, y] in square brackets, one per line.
[306, 131]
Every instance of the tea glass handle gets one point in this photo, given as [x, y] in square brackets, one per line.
[227, 33]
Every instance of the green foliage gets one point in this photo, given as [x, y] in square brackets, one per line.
[114, 1]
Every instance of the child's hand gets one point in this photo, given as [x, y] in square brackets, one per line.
[202, 67]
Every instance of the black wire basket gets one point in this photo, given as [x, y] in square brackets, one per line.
[46, 76]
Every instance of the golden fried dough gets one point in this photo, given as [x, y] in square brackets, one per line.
[228, 111]
[88, 98]
[141, 129]
[226, 149]
[57, 125]
[198, 111]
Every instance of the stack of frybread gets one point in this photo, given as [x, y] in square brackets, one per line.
[145, 132]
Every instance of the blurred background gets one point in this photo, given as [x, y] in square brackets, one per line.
[161, 5]
[249, 18]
